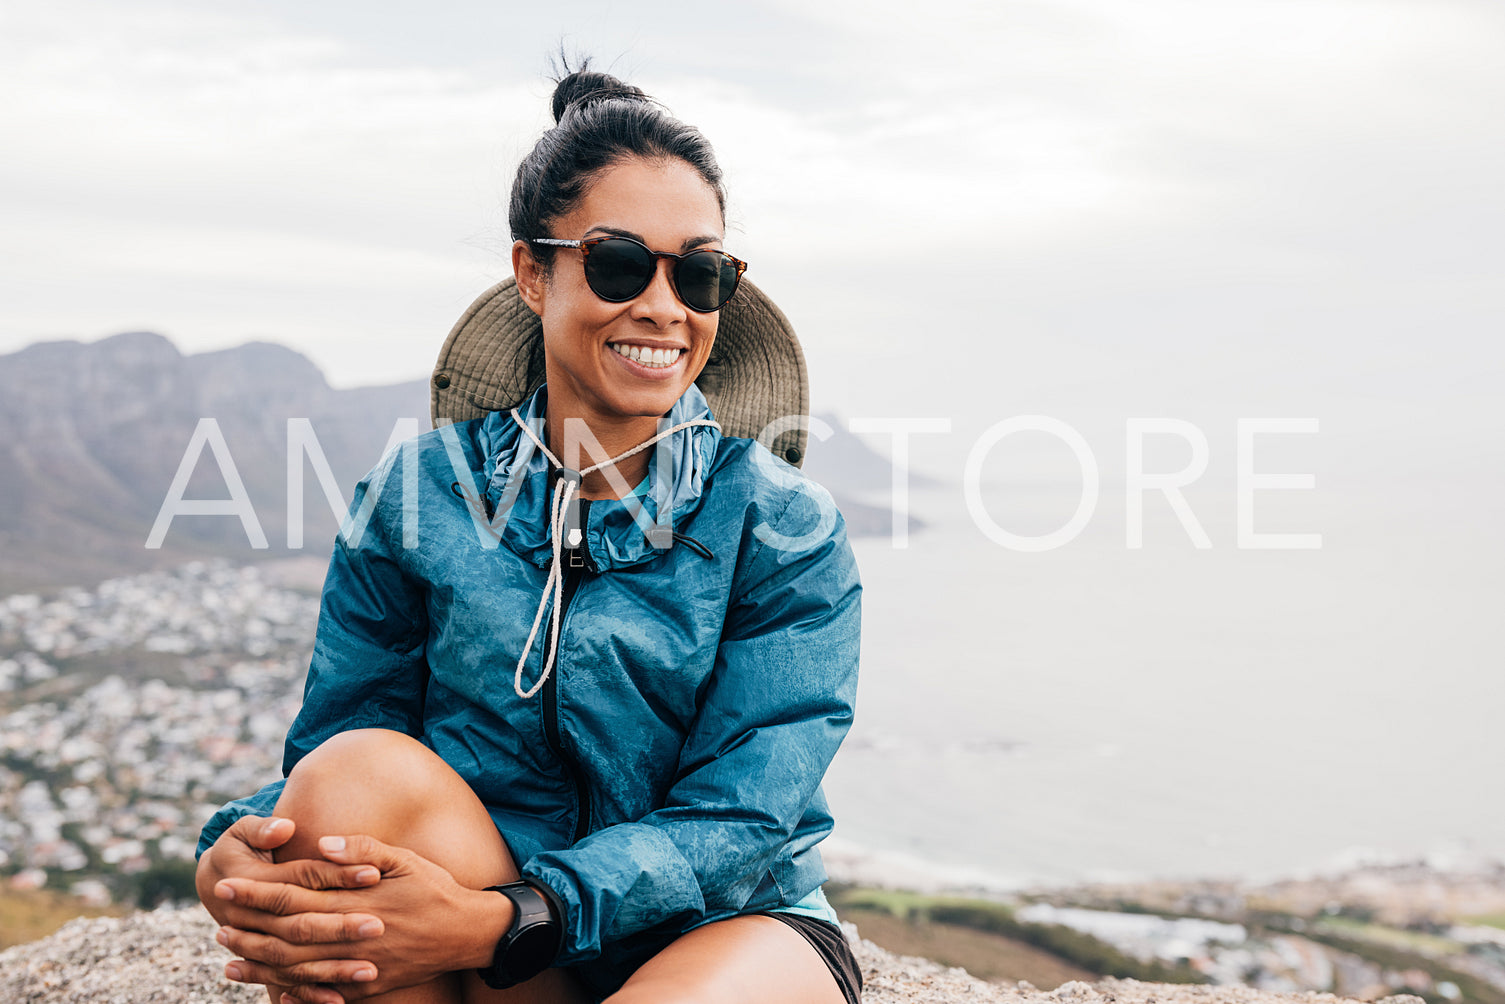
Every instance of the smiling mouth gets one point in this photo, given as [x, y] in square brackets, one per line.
[645, 356]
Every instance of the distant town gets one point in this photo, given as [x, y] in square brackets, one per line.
[129, 712]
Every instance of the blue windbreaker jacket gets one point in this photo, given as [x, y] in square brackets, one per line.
[668, 774]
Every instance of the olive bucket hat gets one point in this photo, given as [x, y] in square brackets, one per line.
[755, 378]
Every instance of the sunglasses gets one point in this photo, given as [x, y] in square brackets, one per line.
[620, 268]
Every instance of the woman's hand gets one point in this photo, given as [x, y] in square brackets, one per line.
[424, 923]
[244, 851]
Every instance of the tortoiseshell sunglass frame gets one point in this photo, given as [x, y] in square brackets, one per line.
[587, 244]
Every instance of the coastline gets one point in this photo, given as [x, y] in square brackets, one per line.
[1366, 931]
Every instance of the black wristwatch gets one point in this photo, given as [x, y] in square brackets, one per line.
[530, 944]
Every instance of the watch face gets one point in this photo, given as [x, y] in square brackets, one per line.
[532, 950]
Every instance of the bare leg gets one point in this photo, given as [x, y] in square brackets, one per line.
[391, 787]
[743, 960]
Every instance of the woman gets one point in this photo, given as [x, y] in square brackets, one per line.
[581, 664]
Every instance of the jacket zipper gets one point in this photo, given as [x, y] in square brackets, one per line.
[573, 573]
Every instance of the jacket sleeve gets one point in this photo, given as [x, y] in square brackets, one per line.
[775, 709]
[368, 668]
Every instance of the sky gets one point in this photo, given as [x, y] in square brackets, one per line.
[1077, 207]
[1089, 210]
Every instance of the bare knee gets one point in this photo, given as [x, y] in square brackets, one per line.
[390, 786]
[370, 779]
[376, 758]
[376, 750]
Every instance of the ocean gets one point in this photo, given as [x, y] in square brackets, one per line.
[1096, 712]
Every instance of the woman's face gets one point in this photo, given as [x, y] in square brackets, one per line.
[667, 206]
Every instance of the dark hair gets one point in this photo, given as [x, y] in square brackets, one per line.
[599, 121]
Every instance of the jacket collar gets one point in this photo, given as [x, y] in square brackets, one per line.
[617, 534]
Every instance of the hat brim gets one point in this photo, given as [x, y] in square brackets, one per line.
[755, 378]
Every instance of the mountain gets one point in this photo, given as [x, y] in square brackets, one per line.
[91, 436]
[842, 460]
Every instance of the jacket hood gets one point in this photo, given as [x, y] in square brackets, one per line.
[618, 533]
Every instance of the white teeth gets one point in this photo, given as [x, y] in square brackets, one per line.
[654, 358]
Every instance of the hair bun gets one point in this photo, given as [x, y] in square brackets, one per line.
[587, 86]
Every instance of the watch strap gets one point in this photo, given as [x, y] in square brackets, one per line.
[531, 942]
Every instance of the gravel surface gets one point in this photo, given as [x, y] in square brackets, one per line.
[170, 955]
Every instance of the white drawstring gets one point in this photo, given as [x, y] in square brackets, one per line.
[564, 491]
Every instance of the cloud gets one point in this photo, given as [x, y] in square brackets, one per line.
[229, 170]
[1114, 180]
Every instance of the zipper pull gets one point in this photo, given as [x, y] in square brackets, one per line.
[574, 535]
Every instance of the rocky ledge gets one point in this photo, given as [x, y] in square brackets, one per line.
[171, 955]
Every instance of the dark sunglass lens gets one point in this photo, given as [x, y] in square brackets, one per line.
[706, 280]
[618, 270]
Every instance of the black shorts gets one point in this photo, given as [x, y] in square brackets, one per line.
[831, 945]
[829, 942]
